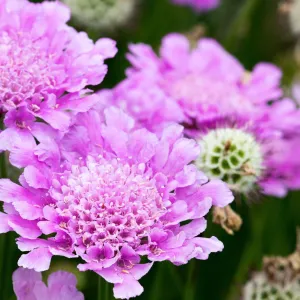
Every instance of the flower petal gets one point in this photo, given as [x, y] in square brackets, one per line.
[38, 259]
[128, 288]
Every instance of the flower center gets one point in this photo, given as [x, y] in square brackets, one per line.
[208, 94]
[107, 201]
[24, 70]
[233, 156]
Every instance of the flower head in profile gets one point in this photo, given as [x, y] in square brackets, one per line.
[231, 112]
[28, 285]
[45, 65]
[199, 5]
[111, 194]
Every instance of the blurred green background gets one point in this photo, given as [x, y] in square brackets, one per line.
[253, 30]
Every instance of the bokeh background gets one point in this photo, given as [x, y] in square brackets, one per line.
[254, 31]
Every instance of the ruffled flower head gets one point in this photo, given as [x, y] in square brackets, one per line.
[199, 5]
[111, 194]
[231, 112]
[28, 285]
[145, 101]
[45, 64]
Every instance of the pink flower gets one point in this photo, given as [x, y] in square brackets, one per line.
[28, 285]
[199, 5]
[111, 194]
[45, 65]
[211, 90]
[206, 82]
[146, 102]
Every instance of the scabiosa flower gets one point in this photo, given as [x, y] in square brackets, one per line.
[45, 65]
[199, 5]
[28, 285]
[103, 15]
[231, 112]
[145, 101]
[111, 194]
[182, 73]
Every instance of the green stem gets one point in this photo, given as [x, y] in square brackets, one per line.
[3, 171]
[240, 24]
[189, 288]
[252, 256]
[106, 291]
[103, 289]
[10, 262]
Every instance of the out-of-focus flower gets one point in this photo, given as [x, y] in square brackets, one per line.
[145, 101]
[280, 278]
[206, 82]
[111, 194]
[294, 15]
[45, 66]
[28, 285]
[199, 5]
[260, 287]
[233, 113]
[103, 15]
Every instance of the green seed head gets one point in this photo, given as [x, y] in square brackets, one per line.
[259, 288]
[103, 15]
[233, 156]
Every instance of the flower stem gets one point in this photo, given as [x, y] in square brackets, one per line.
[3, 171]
[189, 288]
[100, 288]
[103, 289]
[240, 24]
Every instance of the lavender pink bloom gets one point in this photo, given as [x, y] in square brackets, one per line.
[206, 88]
[45, 66]
[199, 5]
[28, 285]
[110, 194]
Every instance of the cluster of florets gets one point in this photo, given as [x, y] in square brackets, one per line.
[111, 194]
[95, 185]
[220, 104]
[125, 177]
[45, 65]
